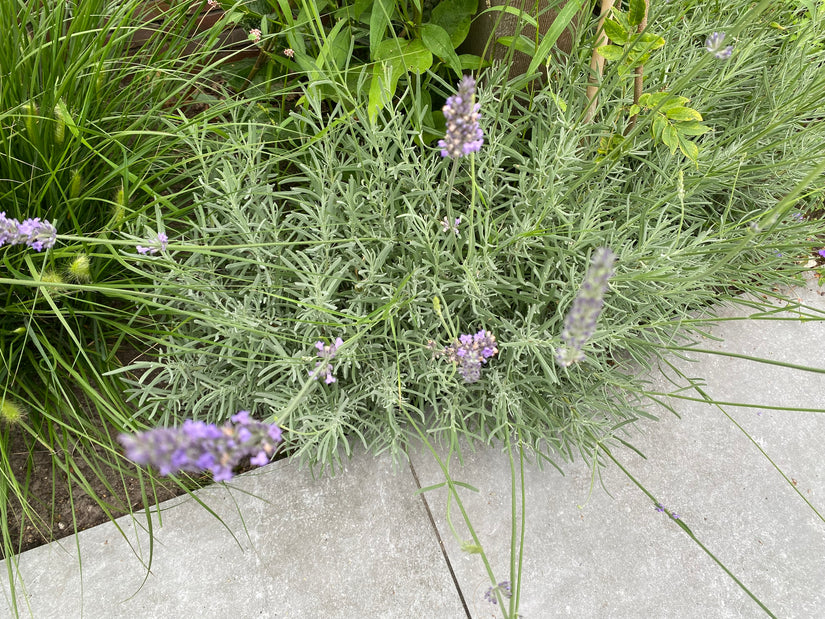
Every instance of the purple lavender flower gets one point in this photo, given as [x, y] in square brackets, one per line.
[323, 368]
[8, 230]
[464, 136]
[580, 323]
[821, 252]
[662, 509]
[197, 446]
[503, 587]
[446, 226]
[470, 352]
[39, 234]
[715, 45]
[161, 243]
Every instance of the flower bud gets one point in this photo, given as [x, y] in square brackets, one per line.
[79, 270]
[11, 413]
[75, 185]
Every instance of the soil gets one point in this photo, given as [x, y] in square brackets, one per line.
[62, 507]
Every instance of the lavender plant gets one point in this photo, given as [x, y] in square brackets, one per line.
[353, 245]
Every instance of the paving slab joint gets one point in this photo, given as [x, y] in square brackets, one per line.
[440, 541]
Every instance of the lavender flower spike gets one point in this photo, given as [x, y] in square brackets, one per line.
[323, 368]
[464, 136]
[38, 234]
[580, 323]
[470, 352]
[715, 45]
[197, 446]
[8, 230]
[503, 587]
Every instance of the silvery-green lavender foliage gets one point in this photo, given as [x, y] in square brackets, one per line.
[345, 238]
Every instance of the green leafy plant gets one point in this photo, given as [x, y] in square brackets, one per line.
[630, 48]
[390, 40]
[673, 122]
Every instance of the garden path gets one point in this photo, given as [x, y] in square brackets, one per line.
[362, 544]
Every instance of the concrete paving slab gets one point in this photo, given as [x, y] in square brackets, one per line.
[356, 545]
[600, 555]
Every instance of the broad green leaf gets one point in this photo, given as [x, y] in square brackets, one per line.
[613, 53]
[329, 48]
[455, 17]
[634, 109]
[473, 62]
[382, 87]
[671, 138]
[410, 55]
[688, 148]
[621, 17]
[683, 114]
[615, 31]
[395, 56]
[634, 59]
[437, 40]
[417, 58]
[340, 49]
[382, 11]
[650, 41]
[658, 126]
[357, 8]
[665, 99]
[636, 12]
[520, 43]
[562, 21]
[520, 15]
[693, 128]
